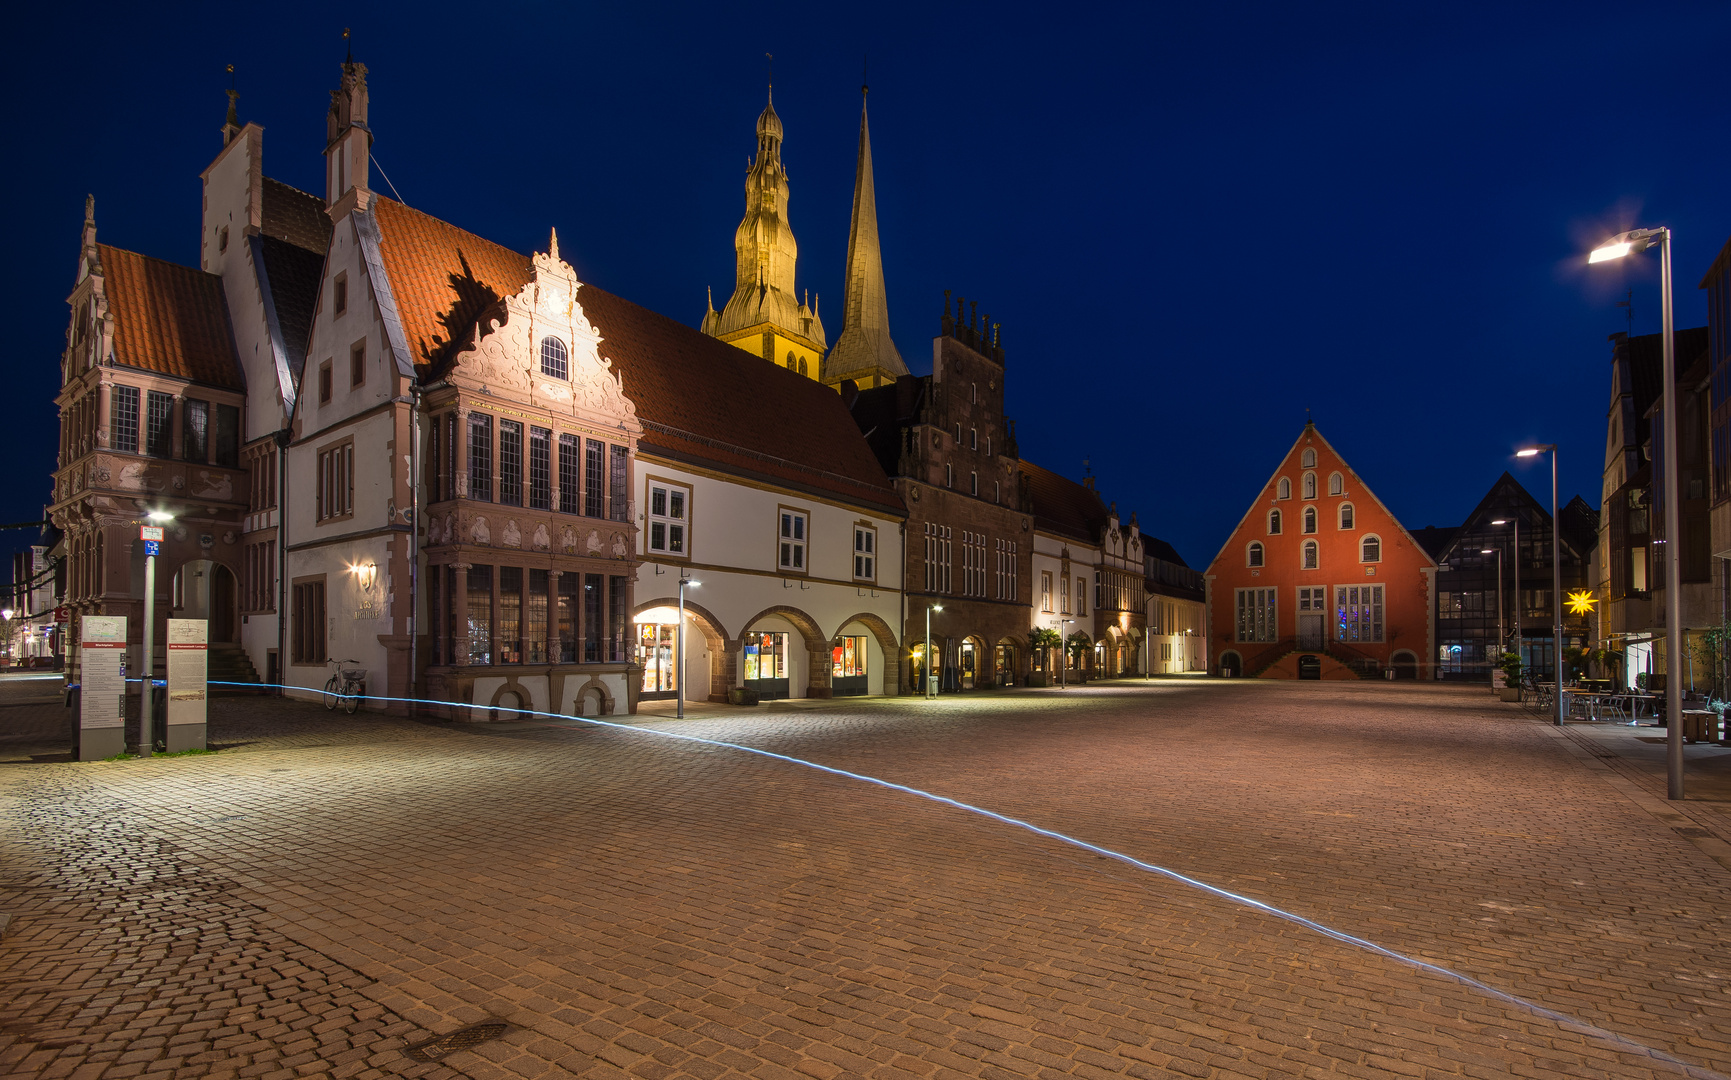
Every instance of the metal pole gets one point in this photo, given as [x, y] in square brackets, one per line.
[926, 667]
[679, 639]
[147, 721]
[1556, 589]
[1500, 638]
[1519, 641]
[1673, 545]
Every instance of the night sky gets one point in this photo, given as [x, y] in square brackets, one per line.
[1193, 221]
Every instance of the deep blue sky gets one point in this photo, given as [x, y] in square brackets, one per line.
[1193, 221]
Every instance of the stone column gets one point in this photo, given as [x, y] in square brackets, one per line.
[460, 455]
[553, 643]
[459, 601]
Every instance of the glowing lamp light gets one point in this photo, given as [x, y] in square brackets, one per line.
[6, 613]
[1531, 451]
[160, 515]
[1581, 602]
[1487, 551]
[1632, 242]
[1609, 252]
[365, 574]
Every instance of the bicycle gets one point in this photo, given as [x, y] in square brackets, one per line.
[344, 688]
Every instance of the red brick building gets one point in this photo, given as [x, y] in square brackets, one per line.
[1319, 580]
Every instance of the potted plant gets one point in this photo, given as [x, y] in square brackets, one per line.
[1042, 639]
[1510, 663]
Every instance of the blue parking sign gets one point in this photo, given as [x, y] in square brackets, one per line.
[150, 547]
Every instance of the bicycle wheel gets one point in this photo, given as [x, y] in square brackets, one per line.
[333, 690]
[351, 697]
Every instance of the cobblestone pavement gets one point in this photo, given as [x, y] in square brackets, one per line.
[331, 891]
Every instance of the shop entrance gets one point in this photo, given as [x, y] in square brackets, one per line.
[766, 664]
[969, 663]
[847, 676]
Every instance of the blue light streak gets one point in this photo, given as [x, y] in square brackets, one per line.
[1568, 1022]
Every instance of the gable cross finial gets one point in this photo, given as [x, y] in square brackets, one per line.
[864, 69]
[350, 45]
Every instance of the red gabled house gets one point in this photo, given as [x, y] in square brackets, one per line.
[1319, 580]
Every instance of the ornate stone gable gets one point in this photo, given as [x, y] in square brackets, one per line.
[505, 357]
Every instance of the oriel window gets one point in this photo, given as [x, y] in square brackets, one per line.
[481, 457]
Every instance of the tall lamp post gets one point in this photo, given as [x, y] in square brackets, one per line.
[1633, 243]
[146, 706]
[931, 690]
[1556, 575]
[1516, 559]
[1063, 652]
[679, 639]
[1499, 551]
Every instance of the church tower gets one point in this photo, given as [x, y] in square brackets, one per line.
[765, 316]
[864, 352]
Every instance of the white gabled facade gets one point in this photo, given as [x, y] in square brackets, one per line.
[829, 627]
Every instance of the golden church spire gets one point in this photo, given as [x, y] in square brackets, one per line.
[764, 315]
[864, 351]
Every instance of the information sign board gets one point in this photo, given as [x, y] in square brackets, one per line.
[102, 687]
[188, 672]
[150, 532]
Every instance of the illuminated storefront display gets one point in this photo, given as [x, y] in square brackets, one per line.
[848, 667]
[657, 651]
[766, 664]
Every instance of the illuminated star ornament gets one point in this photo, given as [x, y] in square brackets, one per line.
[1581, 602]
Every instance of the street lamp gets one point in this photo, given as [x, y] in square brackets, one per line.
[1499, 551]
[1063, 652]
[152, 536]
[1516, 522]
[679, 690]
[1633, 243]
[931, 680]
[1556, 572]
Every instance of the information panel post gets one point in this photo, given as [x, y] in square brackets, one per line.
[188, 672]
[102, 687]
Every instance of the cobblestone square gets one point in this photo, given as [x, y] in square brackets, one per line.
[325, 892]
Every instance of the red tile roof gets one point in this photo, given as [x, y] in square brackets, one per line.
[1063, 506]
[169, 319]
[701, 401]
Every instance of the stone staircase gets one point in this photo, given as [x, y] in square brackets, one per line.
[229, 663]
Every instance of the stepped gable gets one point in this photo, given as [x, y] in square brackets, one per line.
[1063, 506]
[169, 319]
[701, 400]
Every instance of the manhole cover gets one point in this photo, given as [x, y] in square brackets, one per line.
[461, 1039]
[1690, 830]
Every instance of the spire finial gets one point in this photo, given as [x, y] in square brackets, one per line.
[553, 245]
[864, 68]
[231, 123]
[350, 46]
[769, 74]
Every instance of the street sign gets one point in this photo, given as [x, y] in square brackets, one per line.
[151, 547]
[150, 532]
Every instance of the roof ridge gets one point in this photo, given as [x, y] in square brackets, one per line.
[722, 444]
[158, 259]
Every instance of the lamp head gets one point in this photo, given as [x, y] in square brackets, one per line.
[1529, 451]
[937, 607]
[1500, 521]
[1487, 551]
[1632, 242]
[6, 613]
[160, 515]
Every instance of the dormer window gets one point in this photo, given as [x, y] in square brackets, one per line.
[554, 359]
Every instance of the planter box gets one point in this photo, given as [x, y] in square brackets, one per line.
[739, 695]
[1511, 694]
